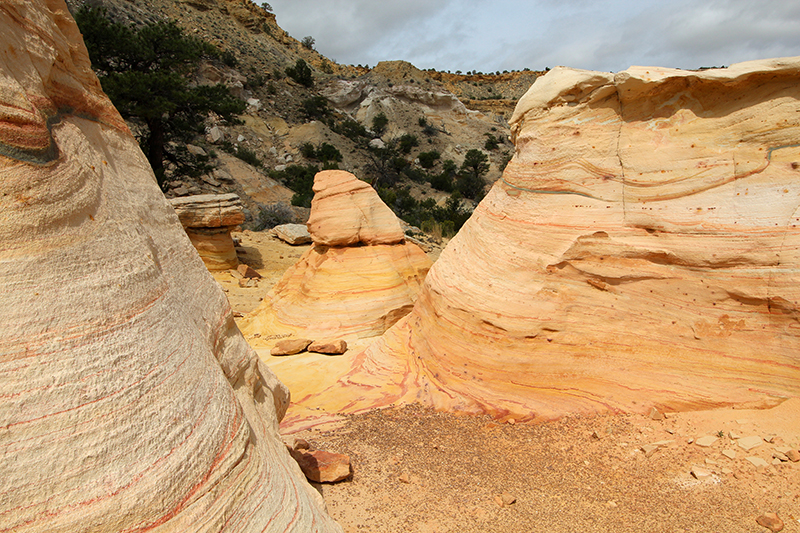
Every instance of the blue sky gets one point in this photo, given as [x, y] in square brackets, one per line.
[514, 34]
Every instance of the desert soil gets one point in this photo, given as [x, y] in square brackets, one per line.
[422, 471]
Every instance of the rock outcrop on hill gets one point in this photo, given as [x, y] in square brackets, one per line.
[130, 399]
[208, 220]
[359, 278]
[642, 249]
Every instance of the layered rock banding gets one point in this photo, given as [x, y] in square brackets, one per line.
[208, 220]
[641, 250]
[358, 279]
[130, 399]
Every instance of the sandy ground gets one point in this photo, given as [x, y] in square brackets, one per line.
[421, 471]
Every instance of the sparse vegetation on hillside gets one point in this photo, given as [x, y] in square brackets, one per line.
[308, 41]
[145, 71]
[379, 123]
[301, 73]
[300, 179]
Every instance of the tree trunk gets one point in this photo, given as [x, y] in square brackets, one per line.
[155, 148]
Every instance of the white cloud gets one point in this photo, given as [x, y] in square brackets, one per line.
[514, 34]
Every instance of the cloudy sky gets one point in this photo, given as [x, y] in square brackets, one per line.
[491, 35]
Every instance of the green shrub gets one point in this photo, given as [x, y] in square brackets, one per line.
[379, 123]
[299, 179]
[470, 177]
[229, 59]
[442, 182]
[316, 107]
[248, 156]
[407, 142]
[352, 130]
[308, 151]
[428, 159]
[328, 153]
[414, 174]
[427, 129]
[301, 73]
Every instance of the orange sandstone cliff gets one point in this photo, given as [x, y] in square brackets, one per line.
[642, 249]
[130, 401]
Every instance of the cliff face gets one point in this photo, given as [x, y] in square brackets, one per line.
[642, 249]
[130, 399]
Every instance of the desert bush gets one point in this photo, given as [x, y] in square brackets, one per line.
[299, 179]
[316, 107]
[308, 151]
[308, 42]
[229, 59]
[442, 182]
[352, 130]
[269, 216]
[301, 73]
[491, 142]
[428, 159]
[469, 181]
[328, 153]
[407, 142]
[427, 128]
[248, 156]
[379, 123]
[415, 174]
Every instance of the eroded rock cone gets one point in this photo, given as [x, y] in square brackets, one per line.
[346, 211]
[359, 279]
[131, 402]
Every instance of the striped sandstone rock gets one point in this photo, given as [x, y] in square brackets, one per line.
[641, 250]
[130, 401]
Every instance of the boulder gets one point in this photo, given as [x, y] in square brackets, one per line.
[346, 211]
[209, 210]
[246, 271]
[331, 347]
[290, 346]
[322, 466]
[294, 234]
[131, 402]
[209, 220]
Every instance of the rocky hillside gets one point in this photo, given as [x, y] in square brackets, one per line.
[439, 114]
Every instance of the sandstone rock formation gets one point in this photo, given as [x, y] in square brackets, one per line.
[208, 220]
[642, 250]
[130, 399]
[358, 279]
[346, 211]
